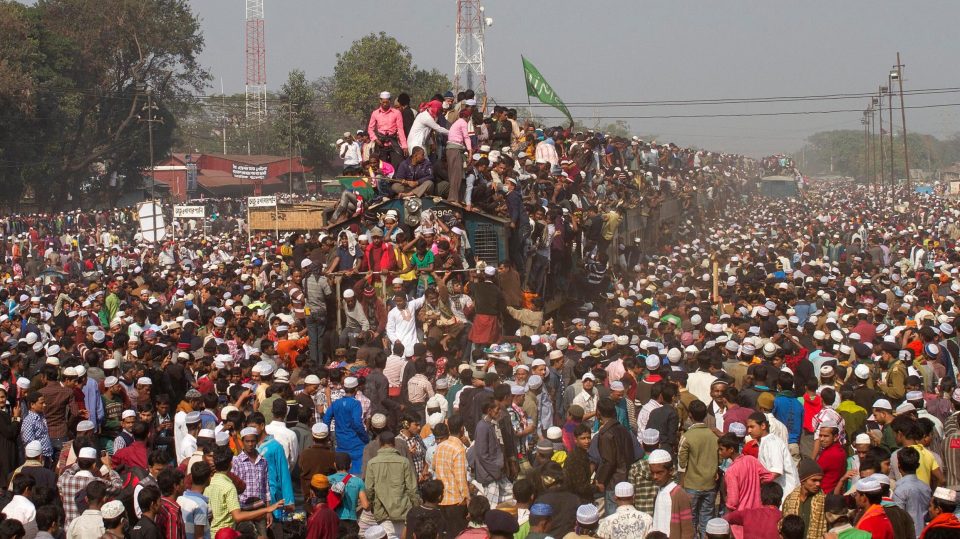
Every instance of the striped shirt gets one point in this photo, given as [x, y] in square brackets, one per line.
[222, 495]
[450, 467]
[254, 475]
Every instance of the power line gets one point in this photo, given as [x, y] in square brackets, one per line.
[734, 101]
[740, 115]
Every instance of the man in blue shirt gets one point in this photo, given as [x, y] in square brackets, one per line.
[789, 411]
[346, 416]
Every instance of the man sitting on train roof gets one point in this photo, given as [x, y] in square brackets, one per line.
[414, 177]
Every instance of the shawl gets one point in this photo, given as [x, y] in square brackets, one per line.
[818, 523]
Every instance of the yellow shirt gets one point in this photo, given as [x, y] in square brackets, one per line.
[927, 463]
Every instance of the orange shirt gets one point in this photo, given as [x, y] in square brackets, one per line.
[288, 350]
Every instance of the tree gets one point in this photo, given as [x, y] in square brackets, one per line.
[88, 72]
[299, 125]
[376, 63]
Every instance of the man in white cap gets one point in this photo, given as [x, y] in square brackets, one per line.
[873, 519]
[318, 458]
[402, 322]
[944, 523]
[188, 443]
[125, 437]
[79, 475]
[489, 302]
[355, 319]
[351, 434]
[672, 513]
[386, 128]
[626, 521]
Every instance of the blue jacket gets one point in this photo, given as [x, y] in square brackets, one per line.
[789, 411]
[351, 435]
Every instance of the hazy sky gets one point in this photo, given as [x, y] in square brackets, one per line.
[621, 50]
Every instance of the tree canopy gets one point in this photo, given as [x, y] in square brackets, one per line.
[376, 63]
[73, 89]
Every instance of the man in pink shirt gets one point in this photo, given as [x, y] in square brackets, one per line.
[387, 122]
[458, 141]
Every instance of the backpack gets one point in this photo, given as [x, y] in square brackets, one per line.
[335, 494]
[131, 476]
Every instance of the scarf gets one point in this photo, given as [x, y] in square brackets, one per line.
[663, 509]
[946, 521]
[818, 523]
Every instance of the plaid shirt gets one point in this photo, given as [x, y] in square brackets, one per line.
[417, 453]
[644, 489]
[73, 480]
[35, 428]
[254, 475]
[450, 467]
[170, 520]
[222, 495]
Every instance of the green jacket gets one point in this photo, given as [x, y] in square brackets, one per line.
[698, 455]
[391, 485]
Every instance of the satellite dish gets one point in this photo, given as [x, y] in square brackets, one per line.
[152, 226]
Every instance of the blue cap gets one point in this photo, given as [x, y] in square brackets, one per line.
[541, 510]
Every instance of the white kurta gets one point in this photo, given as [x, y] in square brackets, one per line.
[402, 325]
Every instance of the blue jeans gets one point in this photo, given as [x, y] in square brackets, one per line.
[609, 503]
[702, 506]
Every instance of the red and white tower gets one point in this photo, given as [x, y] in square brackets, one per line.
[468, 69]
[256, 64]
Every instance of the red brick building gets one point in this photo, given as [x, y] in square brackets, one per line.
[230, 175]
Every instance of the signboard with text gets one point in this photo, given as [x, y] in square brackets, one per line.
[249, 172]
[261, 202]
[188, 212]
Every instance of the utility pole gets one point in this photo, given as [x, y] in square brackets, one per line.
[879, 102]
[866, 144]
[893, 174]
[903, 120]
[290, 150]
[873, 153]
[148, 117]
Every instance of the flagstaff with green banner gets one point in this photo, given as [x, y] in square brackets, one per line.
[538, 87]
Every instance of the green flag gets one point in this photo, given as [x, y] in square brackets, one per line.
[538, 87]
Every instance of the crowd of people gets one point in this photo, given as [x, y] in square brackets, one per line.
[770, 368]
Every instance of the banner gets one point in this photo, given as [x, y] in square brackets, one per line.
[249, 172]
[188, 212]
[261, 202]
[538, 87]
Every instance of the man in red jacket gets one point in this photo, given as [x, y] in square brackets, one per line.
[874, 519]
[944, 523]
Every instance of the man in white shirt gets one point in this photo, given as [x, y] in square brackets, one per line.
[699, 382]
[587, 398]
[402, 322]
[90, 522]
[187, 444]
[350, 152]
[774, 454]
[282, 434]
[20, 507]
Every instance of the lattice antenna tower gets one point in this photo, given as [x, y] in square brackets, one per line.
[256, 64]
[468, 69]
